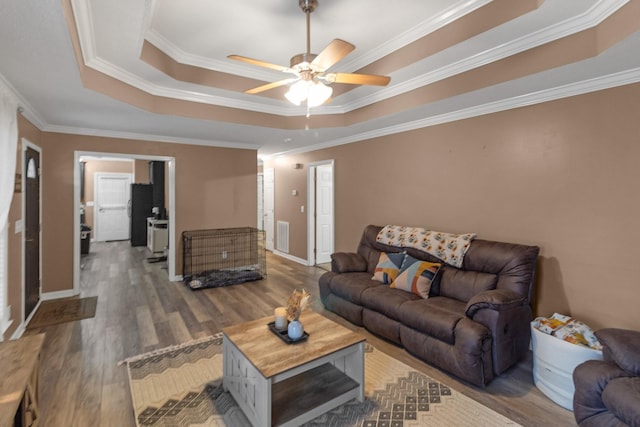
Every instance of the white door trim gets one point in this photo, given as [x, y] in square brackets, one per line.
[311, 207]
[171, 255]
[269, 226]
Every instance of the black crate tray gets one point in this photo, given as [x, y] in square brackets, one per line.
[284, 335]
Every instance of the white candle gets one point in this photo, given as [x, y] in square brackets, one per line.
[281, 317]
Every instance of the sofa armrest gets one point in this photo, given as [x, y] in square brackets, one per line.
[623, 347]
[496, 299]
[507, 315]
[348, 262]
[590, 378]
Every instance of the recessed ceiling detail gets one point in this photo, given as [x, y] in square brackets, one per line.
[159, 69]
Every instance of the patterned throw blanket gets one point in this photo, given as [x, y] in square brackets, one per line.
[448, 247]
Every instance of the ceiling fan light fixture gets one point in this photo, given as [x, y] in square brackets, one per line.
[297, 92]
[310, 70]
[318, 94]
[314, 92]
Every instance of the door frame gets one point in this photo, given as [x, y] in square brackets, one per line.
[311, 207]
[260, 224]
[28, 144]
[270, 245]
[96, 176]
[171, 255]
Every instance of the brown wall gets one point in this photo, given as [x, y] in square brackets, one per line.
[215, 188]
[562, 175]
[93, 166]
[141, 171]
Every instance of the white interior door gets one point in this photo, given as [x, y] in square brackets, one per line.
[112, 193]
[324, 213]
[269, 203]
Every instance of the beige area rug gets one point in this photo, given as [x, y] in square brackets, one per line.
[62, 311]
[181, 386]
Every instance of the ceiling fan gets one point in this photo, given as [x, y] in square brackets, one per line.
[309, 70]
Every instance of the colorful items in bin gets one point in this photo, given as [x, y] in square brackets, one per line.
[568, 329]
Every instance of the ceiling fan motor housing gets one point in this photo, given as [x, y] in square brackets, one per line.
[302, 58]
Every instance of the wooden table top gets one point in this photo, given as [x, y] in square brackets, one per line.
[18, 360]
[271, 356]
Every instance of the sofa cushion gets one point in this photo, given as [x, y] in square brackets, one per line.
[462, 284]
[386, 300]
[351, 285]
[621, 396]
[436, 317]
[416, 277]
[388, 267]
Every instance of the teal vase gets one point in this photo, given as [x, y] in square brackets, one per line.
[295, 330]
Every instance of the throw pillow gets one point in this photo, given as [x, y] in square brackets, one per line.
[388, 267]
[416, 276]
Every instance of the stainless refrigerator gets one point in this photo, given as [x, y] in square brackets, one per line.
[140, 208]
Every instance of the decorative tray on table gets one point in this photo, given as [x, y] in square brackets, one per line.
[283, 334]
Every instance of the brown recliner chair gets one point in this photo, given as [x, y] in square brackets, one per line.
[607, 392]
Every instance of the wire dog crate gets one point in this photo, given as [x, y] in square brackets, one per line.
[223, 257]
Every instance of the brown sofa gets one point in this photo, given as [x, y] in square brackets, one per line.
[607, 392]
[475, 323]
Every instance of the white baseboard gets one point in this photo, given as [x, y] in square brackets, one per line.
[4, 327]
[291, 258]
[177, 278]
[18, 332]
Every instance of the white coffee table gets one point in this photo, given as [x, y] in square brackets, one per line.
[280, 384]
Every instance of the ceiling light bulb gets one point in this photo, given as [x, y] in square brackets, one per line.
[318, 94]
[297, 92]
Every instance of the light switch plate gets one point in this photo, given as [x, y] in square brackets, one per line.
[19, 226]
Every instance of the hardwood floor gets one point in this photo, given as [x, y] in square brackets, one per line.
[139, 310]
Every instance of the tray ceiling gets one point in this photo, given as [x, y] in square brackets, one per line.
[159, 70]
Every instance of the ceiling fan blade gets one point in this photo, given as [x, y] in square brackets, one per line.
[270, 86]
[358, 79]
[261, 63]
[334, 52]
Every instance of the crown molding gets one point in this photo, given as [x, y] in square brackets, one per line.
[83, 18]
[592, 17]
[433, 23]
[266, 105]
[28, 111]
[569, 90]
[589, 19]
[146, 137]
[565, 91]
[428, 26]
[228, 66]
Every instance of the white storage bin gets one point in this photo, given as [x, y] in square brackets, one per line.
[553, 363]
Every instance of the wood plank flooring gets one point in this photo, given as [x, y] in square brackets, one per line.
[140, 310]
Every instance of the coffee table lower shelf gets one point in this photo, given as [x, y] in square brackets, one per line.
[310, 390]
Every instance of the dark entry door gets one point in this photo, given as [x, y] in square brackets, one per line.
[32, 231]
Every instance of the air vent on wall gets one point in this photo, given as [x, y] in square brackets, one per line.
[282, 238]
